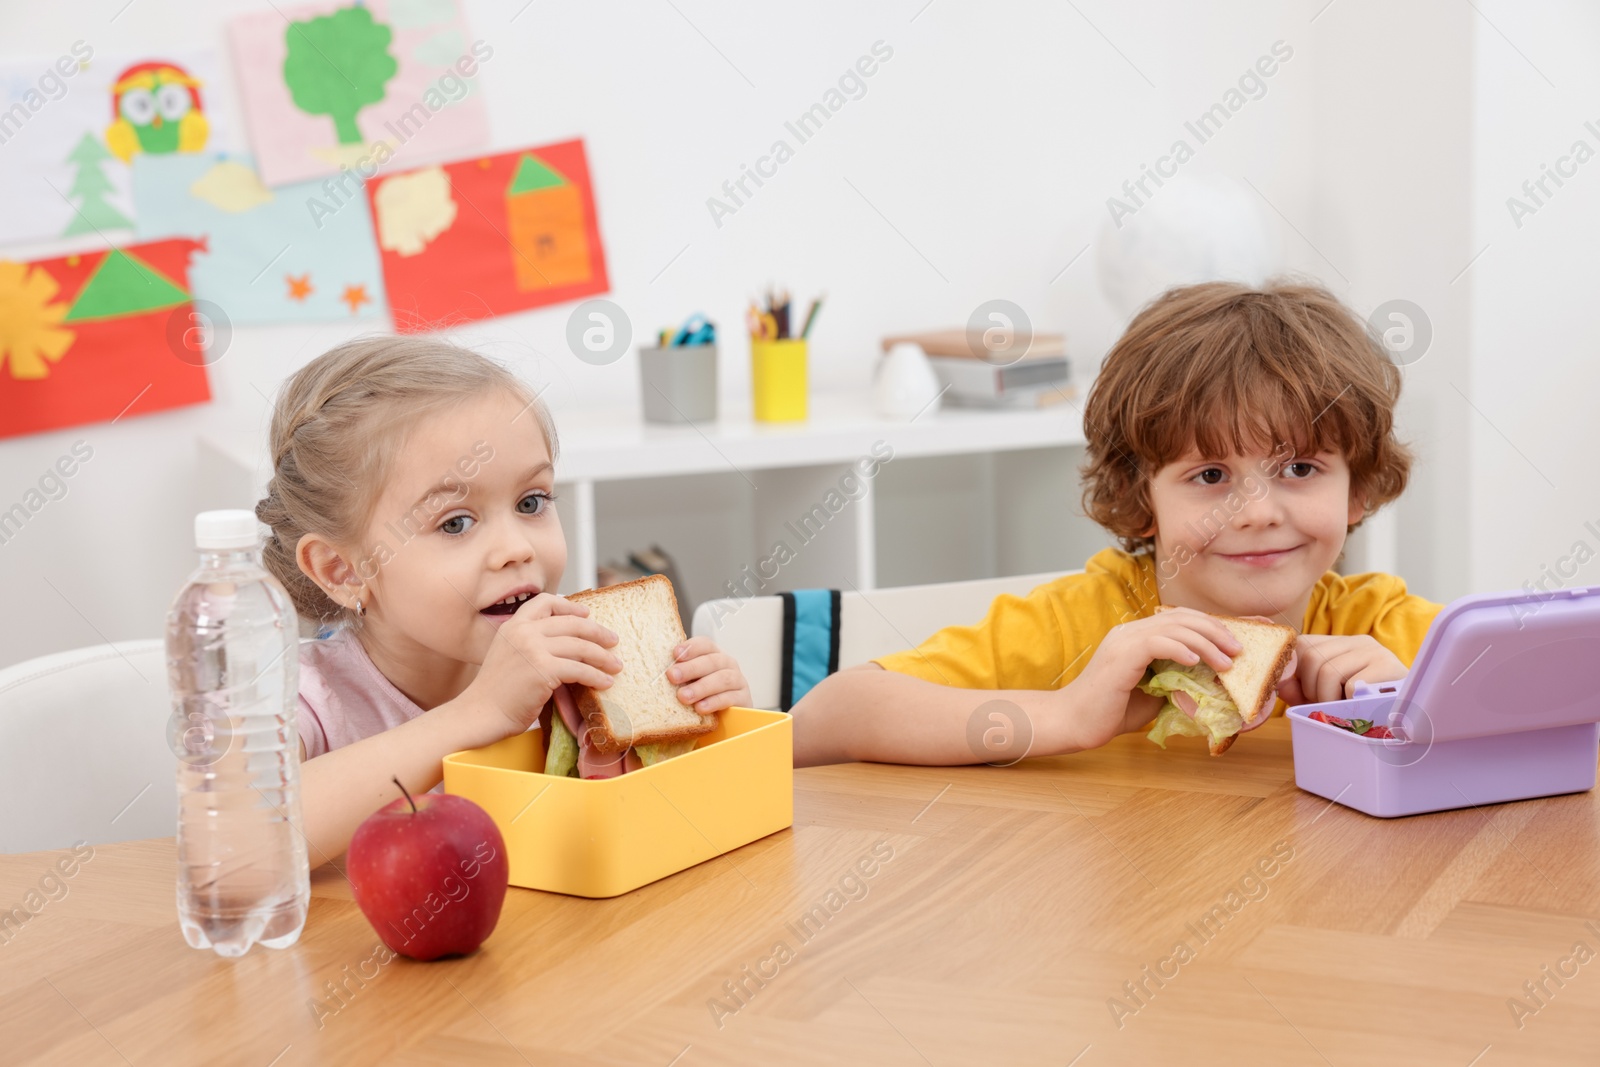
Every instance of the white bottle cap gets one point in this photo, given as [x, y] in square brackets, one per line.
[232, 528]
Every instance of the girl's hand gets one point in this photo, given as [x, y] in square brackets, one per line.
[1105, 700]
[548, 642]
[1327, 668]
[717, 682]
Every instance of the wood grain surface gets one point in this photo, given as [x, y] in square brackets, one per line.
[1124, 906]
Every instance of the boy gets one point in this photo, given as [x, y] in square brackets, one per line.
[1235, 438]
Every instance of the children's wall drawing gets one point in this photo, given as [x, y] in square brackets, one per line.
[320, 84]
[67, 140]
[294, 253]
[331, 85]
[99, 336]
[489, 236]
[158, 111]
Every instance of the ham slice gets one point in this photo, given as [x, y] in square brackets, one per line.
[591, 764]
[1186, 702]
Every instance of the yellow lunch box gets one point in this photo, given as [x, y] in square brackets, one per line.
[606, 836]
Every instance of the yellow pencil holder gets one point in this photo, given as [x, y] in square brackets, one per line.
[778, 374]
[606, 836]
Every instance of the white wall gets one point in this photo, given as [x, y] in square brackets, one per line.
[1389, 210]
[976, 166]
[1535, 437]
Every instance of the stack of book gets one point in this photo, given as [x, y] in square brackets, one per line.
[972, 377]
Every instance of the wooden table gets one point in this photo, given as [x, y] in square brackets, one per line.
[1012, 922]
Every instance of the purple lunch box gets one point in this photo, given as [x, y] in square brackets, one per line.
[1500, 705]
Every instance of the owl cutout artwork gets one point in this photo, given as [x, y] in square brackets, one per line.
[156, 108]
[70, 136]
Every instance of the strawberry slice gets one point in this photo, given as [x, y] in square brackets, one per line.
[1363, 727]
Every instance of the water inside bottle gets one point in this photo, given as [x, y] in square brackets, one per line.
[233, 662]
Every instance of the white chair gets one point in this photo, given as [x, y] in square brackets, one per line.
[84, 754]
[871, 624]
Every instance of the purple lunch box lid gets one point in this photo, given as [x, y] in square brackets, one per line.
[1499, 663]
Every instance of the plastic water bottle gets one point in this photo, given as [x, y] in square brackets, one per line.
[234, 668]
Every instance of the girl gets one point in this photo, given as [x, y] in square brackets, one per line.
[412, 507]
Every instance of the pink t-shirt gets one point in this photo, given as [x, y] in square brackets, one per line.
[344, 697]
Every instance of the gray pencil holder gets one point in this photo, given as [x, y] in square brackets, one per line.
[679, 383]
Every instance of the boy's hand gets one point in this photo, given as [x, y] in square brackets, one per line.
[548, 642]
[1105, 700]
[1260, 718]
[717, 682]
[1327, 667]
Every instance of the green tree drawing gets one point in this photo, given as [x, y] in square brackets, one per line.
[338, 64]
[89, 187]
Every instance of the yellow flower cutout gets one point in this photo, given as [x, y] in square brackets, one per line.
[29, 317]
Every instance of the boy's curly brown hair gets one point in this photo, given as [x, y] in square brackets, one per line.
[1221, 364]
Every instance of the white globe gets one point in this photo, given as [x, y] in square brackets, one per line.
[1195, 228]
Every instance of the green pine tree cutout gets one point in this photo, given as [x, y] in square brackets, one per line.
[338, 64]
[89, 187]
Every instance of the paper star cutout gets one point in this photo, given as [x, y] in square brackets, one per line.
[299, 288]
[355, 296]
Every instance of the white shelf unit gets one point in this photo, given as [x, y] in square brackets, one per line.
[963, 494]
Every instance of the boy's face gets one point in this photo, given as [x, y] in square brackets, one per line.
[1249, 534]
[465, 520]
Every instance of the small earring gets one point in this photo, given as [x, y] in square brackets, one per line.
[361, 610]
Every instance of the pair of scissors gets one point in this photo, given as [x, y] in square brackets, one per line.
[696, 330]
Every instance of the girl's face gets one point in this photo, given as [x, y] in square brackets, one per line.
[467, 519]
[1251, 534]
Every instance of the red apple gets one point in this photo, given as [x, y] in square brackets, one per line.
[429, 874]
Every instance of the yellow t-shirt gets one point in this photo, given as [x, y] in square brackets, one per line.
[1045, 639]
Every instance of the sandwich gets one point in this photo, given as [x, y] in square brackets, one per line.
[638, 721]
[1218, 707]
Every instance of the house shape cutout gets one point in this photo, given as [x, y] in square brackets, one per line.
[549, 235]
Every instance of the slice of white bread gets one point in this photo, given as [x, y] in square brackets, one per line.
[1253, 678]
[641, 707]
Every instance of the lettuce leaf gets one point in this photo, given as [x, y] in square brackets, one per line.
[1171, 720]
[649, 755]
[561, 757]
[1216, 717]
